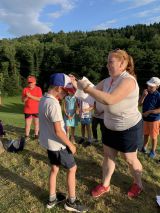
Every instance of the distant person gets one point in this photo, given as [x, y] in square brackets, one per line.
[53, 137]
[31, 96]
[86, 120]
[150, 102]
[70, 114]
[122, 119]
[0, 98]
[2, 132]
[97, 119]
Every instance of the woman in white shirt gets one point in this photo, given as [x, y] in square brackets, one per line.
[122, 119]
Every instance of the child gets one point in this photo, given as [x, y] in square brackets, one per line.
[150, 102]
[2, 132]
[31, 96]
[97, 119]
[86, 120]
[53, 137]
[70, 118]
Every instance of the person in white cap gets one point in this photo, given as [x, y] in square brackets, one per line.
[150, 102]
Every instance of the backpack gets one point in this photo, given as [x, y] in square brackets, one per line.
[15, 145]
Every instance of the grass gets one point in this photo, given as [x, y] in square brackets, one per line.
[24, 176]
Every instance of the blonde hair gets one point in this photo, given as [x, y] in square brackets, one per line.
[122, 54]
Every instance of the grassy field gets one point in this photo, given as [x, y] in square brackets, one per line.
[24, 176]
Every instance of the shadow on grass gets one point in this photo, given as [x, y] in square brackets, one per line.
[12, 108]
[89, 174]
[35, 190]
[14, 129]
[26, 153]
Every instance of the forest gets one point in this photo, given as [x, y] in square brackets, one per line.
[84, 53]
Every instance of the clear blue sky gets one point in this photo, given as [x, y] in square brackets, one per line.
[27, 17]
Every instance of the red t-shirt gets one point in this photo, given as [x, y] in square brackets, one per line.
[31, 106]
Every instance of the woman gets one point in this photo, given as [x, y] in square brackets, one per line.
[122, 119]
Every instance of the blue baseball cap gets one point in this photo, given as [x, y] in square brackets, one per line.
[62, 80]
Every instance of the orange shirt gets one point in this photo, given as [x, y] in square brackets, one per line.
[31, 106]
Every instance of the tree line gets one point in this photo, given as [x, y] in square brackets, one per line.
[84, 53]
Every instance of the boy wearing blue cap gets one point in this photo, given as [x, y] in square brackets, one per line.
[53, 137]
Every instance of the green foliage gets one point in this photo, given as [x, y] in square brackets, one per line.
[84, 53]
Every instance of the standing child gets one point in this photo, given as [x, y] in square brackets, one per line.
[53, 137]
[86, 120]
[150, 102]
[70, 118]
[31, 96]
[97, 119]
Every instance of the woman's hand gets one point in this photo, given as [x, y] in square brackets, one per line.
[82, 84]
[73, 81]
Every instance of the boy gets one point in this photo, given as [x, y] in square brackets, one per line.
[53, 137]
[31, 96]
[150, 102]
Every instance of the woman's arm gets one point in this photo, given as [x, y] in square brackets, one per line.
[126, 86]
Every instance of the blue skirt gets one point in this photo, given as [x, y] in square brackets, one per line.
[71, 122]
[125, 141]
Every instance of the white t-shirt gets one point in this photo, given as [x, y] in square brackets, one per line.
[124, 114]
[50, 112]
[84, 105]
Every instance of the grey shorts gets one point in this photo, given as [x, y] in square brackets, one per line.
[63, 158]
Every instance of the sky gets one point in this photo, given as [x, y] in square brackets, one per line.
[28, 17]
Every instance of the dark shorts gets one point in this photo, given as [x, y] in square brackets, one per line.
[63, 157]
[86, 121]
[124, 141]
[30, 115]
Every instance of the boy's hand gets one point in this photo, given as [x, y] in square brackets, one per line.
[72, 148]
[145, 93]
[145, 114]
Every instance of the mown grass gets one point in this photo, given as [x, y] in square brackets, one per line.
[24, 176]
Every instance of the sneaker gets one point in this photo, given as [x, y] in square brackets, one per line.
[60, 198]
[152, 154]
[76, 206]
[27, 138]
[81, 141]
[144, 150]
[36, 137]
[88, 143]
[99, 190]
[94, 140]
[134, 191]
[158, 161]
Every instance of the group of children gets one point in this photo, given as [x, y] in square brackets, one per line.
[76, 110]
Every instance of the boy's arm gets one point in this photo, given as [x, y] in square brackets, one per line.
[141, 100]
[24, 98]
[153, 111]
[63, 137]
[36, 98]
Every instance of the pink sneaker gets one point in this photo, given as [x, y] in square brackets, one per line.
[99, 190]
[134, 191]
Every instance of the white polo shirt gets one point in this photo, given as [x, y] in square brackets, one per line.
[50, 112]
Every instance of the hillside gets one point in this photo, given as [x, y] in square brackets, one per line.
[24, 176]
